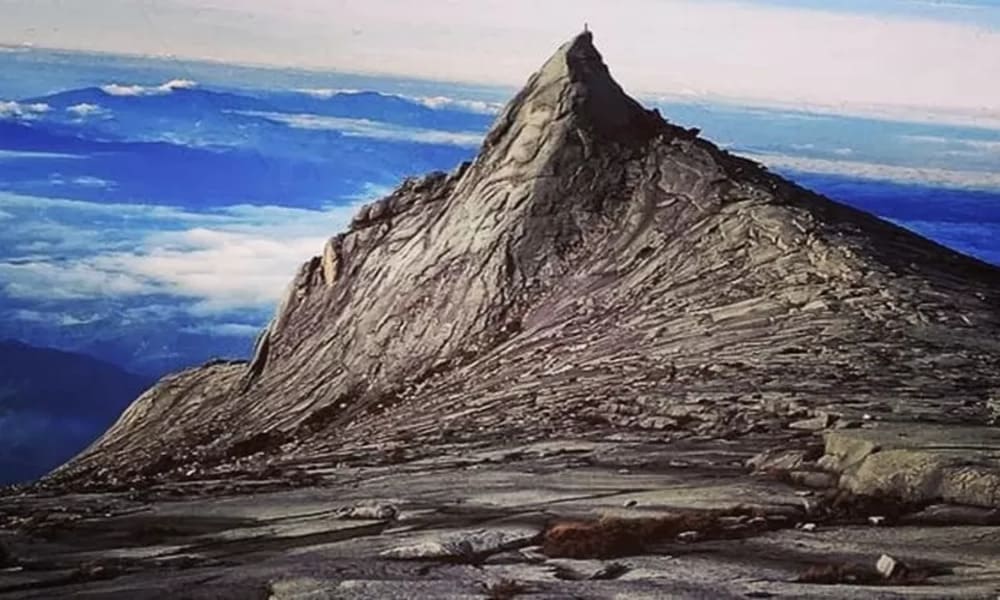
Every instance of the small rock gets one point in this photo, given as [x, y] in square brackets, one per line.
[810, 527]
[465, 544]
[818, 423]
[630, 503]
[688, 536]
[376, 512]
[888, 566]
[876, 520]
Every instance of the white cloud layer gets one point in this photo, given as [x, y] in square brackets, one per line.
[19, 110]
[375, 130]
[928, 176]
[115, 89]
[86, 181]
[446, 103]
[989, 146]
[85, 110]
[327, 93]
[26, 154]
[432, 102]
[225, 329]
[239, 257]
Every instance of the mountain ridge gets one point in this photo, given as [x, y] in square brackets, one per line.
[53, 403]
[595, 270]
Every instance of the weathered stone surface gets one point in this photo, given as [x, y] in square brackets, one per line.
[780, 459]
[952, 515]
[303, 589]
[193, 540]
[600, 308]
[594, 270]
[816, 423]
[469, 545]
[920, 462]
[888, 566]
[377, 511]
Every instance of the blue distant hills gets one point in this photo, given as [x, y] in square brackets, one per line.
[53, 404]
[199, 148]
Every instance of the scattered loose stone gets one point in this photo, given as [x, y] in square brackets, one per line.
[376, 512]
[468, 545]
[888, 566]
[818, 423]
[688, 536]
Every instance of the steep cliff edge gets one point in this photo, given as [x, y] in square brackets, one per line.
[595, 271]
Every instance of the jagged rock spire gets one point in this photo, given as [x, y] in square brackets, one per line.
[593, 267]
[575, 89]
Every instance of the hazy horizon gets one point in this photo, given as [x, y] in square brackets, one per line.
[906, 60]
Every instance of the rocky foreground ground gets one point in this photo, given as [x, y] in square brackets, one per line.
[617, 516]
[606, 359]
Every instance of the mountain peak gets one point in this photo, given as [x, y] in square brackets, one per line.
[594, 269]
[575, 88]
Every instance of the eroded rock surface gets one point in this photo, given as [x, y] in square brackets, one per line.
[594, 269]
[603, 321]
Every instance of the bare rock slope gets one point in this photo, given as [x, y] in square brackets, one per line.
[604, 359]
[594, 267]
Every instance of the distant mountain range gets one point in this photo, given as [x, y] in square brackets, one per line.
[183, 101]
[53, 404]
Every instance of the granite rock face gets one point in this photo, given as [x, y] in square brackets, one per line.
[595, 266]
[602, 314]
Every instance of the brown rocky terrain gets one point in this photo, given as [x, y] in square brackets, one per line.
[604, 359]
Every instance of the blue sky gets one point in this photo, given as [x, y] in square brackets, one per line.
[912, 59]
[975, 12]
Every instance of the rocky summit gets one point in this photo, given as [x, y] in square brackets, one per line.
[604, 359]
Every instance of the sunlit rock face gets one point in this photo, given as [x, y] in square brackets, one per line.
[594, 270]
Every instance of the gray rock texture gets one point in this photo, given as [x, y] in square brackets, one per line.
[603, 331]
[594, 268]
